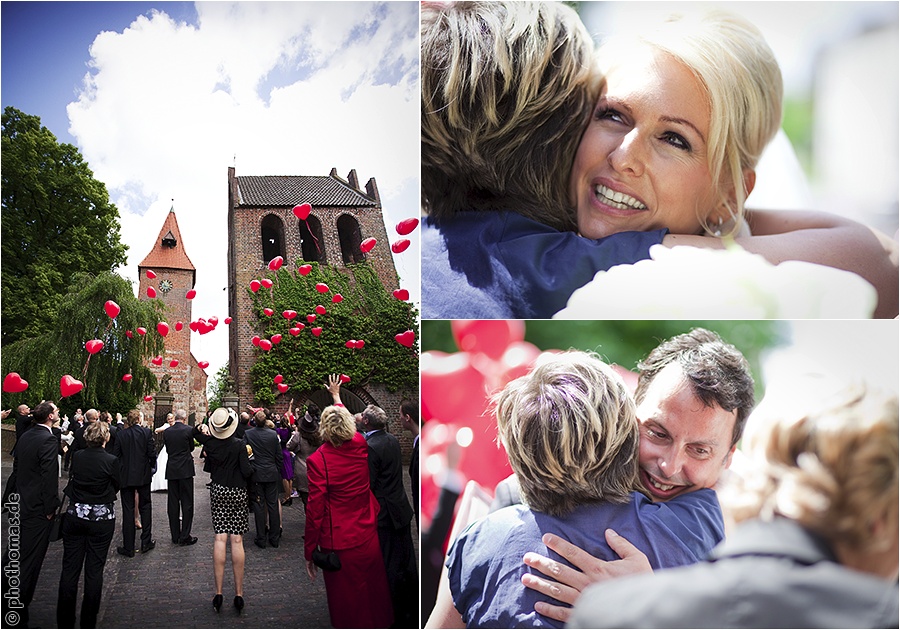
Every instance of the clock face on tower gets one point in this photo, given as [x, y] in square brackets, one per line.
[165, 286]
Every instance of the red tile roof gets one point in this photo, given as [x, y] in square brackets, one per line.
[164, 256]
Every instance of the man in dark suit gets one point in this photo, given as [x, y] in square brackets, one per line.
[409, 420]
[23, 423]
[179, 440]
[266, 462]
[136, 451]
[38, 490]
[386, 480]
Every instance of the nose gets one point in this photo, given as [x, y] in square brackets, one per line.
[628, 156]
[671, 463]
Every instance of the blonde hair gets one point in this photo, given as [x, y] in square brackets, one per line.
[134, 417]
[336, 425]
[744, 88]
[96, 433]
[507, 91]
[570, 430]
[833, 469]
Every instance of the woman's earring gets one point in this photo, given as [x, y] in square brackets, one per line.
[718, 230]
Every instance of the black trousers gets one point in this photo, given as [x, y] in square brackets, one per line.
[22, 567]
[85, 544]
[403, 579]
[144, 507]
[265, 502]
[180, 500]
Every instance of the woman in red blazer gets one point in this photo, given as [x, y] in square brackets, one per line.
[342, 516]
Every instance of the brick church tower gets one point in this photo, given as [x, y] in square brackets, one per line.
[262, 226]
[175, 275]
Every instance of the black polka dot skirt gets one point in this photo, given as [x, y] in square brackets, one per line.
[229, 509]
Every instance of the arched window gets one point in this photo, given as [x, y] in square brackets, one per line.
[312, 245]
[348, 232]
[272, 234]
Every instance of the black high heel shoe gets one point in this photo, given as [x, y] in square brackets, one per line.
[217, 602]
[238, 603]
[287, 502]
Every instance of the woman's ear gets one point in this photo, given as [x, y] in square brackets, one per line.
[749, 180]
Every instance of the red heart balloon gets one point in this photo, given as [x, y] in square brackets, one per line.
[289, 314]
[269, 312]
[112, 309]
[441, 373]
[489, 337]
[295, 331]
[14, 384]
[302, 211]
[298, 326]
[320, 309]
[162, 328]
[254, 285]
[350, 343]
[278, 379]
[406, 338]
[173, 363]
[156, 360]
[148, 398]
[282, 388]
[214, 321]
[127, 377]
[275, 263]
[255, 340]
[194, 326]
[311, 318]
[345, 378]
[93, 346]
[406, 226]
[178, 326]
[129, 334]
[265, 344]
[203, 364]
[398, 247]
[367, 245]
[227, 320]
[141, 330]
[304, 269]
[401, 294]
[151, 274]
[276, 338]
[190, 295]
[316, 331]
[206, 327]
[337, 298]
[266, 283]
[321, 287]
[69, 386]
[360, 344]
[151, 292]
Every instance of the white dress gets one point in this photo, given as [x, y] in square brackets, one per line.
[159, 477]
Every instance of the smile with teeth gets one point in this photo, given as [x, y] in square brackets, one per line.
[617, 199]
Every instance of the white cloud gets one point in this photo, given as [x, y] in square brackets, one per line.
[273, 88]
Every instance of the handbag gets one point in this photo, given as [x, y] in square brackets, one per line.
[58, 518]
[326, 560]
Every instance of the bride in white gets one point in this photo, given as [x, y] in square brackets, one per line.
[159, 477]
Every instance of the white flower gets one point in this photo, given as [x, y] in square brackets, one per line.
[694, 283]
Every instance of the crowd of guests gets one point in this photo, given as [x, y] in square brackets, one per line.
[345, 470]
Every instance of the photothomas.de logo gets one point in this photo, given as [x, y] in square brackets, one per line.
[12, 595]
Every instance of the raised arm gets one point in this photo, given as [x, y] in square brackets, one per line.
[334, 386]
[820, 238]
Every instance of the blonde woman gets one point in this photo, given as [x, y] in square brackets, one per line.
[571, 434]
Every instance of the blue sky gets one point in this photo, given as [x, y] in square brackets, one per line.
[161, 98]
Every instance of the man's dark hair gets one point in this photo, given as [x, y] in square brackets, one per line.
[43, 411]
[410, 408]
[717, 371]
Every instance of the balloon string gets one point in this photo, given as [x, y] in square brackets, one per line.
[315, 240]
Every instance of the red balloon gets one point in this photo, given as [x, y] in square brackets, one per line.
[311, 318]
[401, 294]
[304, 269]
[214, 321]
[14, 384]
[255, 341]
[203, 364]
[345, 378]
[156, 360]
[151, 274]
[275, 263]
[178, 326]
[489, 337]
[337, 298]
[93, 346]
[127, 377]
[265, 344]
[406, 338]
[254, 285]
[148, 398]
[129, 334]
[316, 331]
[282, 388]
[151, 292]
[289, 314]
[350, 343]
[190, 295]
[276, 338]
[295, 331]
[69, 386]
[320, 309]
[112, 309]
[173, 363]
[227, 320]
[441, 373]
[398, 247]
[141, 330]
[302, 211]
[194, 326]
[162, 328]
[367, 245]
[278, 379]
[266, 283]
[269, 312]
[321, 287]
[360, 344]
[406, 226]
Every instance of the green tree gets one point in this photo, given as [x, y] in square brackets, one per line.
[217, 389]
[44, 359]
[57, 222]
[367, 312]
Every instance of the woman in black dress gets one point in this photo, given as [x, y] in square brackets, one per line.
[229, 469]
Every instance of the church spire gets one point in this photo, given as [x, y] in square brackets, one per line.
[168, 249]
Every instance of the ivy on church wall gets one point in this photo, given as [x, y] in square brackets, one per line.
[367, 312]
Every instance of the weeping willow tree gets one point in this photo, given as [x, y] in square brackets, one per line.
[80, 316]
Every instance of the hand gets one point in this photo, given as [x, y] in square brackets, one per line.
[311, 570]
[570, 582]
[5, 414]
[334, 386]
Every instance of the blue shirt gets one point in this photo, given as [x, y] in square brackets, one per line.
[485, 562]
[500, 265]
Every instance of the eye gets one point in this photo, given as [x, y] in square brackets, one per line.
[656, 435]
[607, 113]
[676, 140]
